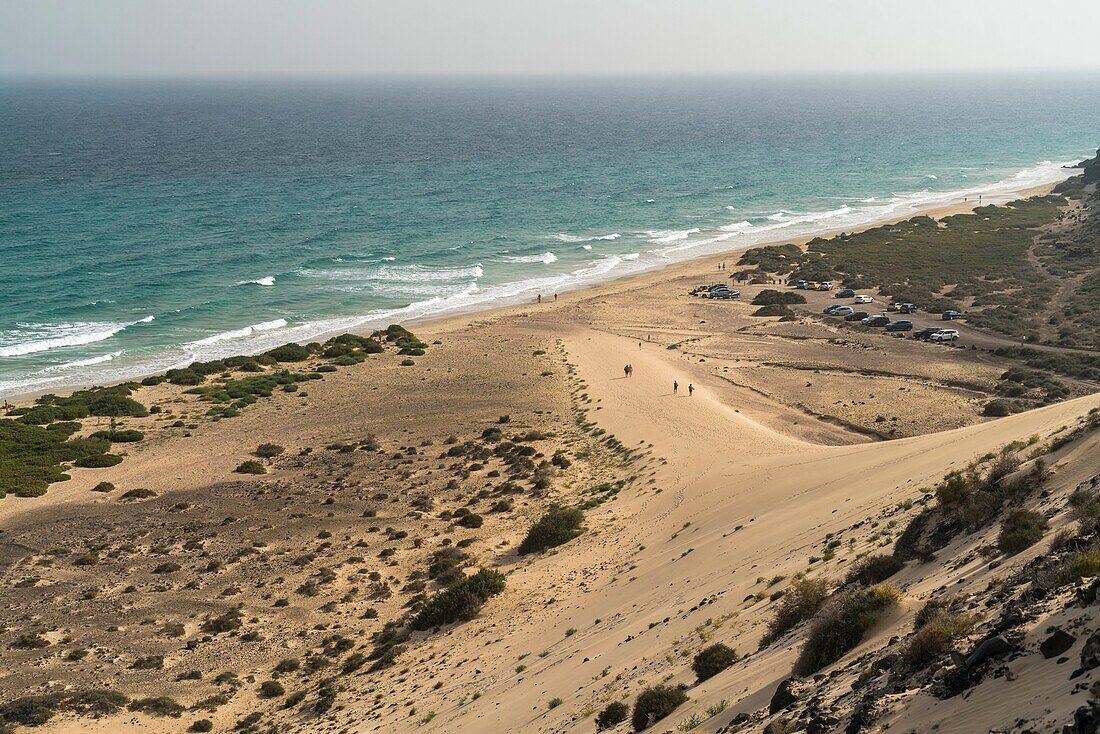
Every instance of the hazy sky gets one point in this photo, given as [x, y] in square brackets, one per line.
[241, 37]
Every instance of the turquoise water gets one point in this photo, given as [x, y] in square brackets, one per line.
[147, 224]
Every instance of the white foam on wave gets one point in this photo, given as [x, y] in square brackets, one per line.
[573, 239]
[80, 363]
[630, 256]
[661, 236]
[737, 226]
[546, 258]
[267, 280]
[238, 333]
[586, 247]
[395, 273]
[35, 338]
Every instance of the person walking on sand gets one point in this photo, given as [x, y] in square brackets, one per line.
[539, 299]
[691, 389]
[555, 296]
[675, 386]
[626, 370]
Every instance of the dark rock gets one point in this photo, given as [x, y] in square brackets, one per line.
[988, 648]
[1086, 720]
[1056, 644]
[1088, 595]
[783, 697]
[1090, 653]
[741, 718]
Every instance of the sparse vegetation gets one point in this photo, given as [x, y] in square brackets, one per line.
[613, 713]
[556, 527]
[801, 602]
[654, 704]
[1020, 530]
[841, 623]
[873, 569]
[713, 660]
[460, 601]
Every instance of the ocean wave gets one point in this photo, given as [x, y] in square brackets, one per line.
[586, 247]
[238, 333]
[573, 239]
[630, 256]
[661, 236]
[395, 273]
[546, 258]
[267, 280]
[80, 363]
[35, 338]
[737, 226]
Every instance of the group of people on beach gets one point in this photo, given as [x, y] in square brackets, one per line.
[538, 298]
[628, 371]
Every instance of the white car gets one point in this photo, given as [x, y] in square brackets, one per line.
[944, 335]
[864, 299]
[843, 311]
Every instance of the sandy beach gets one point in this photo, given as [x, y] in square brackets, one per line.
[803, 446]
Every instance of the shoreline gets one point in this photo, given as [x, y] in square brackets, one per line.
[458, 316]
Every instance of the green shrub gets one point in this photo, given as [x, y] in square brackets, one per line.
[1021, 530]
[557, 526]
[31, 456]
[407, 363]
[251, 466]
[713, 660]
[271, 689]
[873, 569]
[98, 461]
[471, 521]
[289, 353]
[654, 704]
[460, 601]
[104, 487]
[137, 493]
[937, 625]
[29, 710]
[841, 623]
[202, 725]
[268, 450]
[997, 408]
[158, 706]
[774, 310]
[127, 436]
[614, 713]
[771, 297]
[800, 602]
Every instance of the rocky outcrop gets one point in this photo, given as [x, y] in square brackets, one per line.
[1092, 169]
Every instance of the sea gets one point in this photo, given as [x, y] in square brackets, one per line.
[145, 224]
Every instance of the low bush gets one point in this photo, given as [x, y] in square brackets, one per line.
[556, 527]
[775, 309]
[771, 297]
[271, 689]
[250, 466]
[127, 436]
[137, 493]
[31, 456]
[997, 408]
[937, 625]
[268, 450]
[157, 706]
[289, 353]
[98, 461]
[654, 704]
[460, 601]
[1020, 530]
[613, 713]
[713, 660]
[800, 602]
[841, 623]
[104, 487]
[873, 569]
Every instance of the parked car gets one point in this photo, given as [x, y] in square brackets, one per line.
[825, 286]
[876, 321]
[856, 316]
[908, 308]
[894, 306]
[864, 299]
[830, 310]
[844, 311]
[951, 315]
[725, 294]
[802, 284]
[845, 293]
[944, 335]
[923, 334]
[900, 325]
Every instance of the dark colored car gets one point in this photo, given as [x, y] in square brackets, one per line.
[876, 321]
[908, 308]
[923, 334]
[900, 325]
[846, 293]
[951, 315]
[857, 316]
